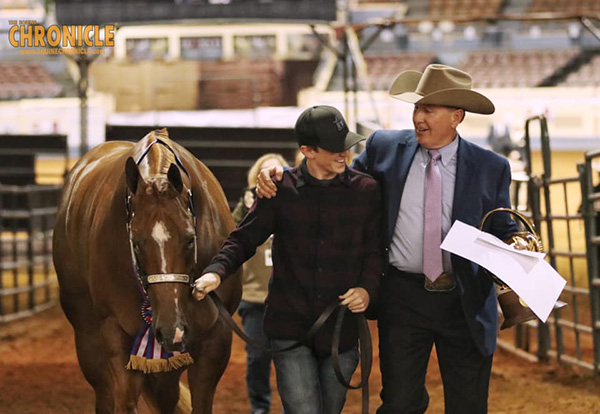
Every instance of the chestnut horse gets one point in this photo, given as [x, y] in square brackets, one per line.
[130, 215]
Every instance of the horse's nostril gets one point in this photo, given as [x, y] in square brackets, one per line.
[178, 337]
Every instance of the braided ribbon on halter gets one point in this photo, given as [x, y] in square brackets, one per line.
[147, 354]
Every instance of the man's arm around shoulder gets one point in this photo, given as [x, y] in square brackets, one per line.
[379, 145]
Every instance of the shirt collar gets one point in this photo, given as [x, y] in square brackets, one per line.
[447, 152]
[303, 177]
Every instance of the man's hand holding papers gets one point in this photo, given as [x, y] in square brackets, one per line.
[524, 271]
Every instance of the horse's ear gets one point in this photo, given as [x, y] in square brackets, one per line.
[132, 175]
[174, 177]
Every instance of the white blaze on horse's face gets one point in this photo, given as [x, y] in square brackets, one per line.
[161, 235]
[164, 243]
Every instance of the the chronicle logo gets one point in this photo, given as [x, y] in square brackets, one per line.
[33, 38]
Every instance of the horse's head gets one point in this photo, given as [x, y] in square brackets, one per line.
[162, 229]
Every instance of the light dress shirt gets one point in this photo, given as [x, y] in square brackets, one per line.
[406, 250]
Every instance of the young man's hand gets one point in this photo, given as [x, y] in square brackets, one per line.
[204, 284]
[357, 299]
[265, 187]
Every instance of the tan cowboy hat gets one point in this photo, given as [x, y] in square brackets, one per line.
[440, 85]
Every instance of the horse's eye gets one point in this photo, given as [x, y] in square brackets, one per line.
[190, 243]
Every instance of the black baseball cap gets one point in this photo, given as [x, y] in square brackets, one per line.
[324, 126]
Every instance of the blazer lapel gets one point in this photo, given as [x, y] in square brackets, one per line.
[465, 173]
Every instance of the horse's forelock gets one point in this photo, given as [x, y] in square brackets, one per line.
[158, 159]
[161, 187]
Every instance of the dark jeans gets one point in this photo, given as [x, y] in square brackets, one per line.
[258, 363]
[411, 321]
[307, 383]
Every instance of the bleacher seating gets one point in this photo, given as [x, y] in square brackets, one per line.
[492, 68]
[444, 9]
[489, 68]
[567, 6]
[587, 75]
[383, 69]
[522, 68]
[447, 9]
[498, 53]
[26, 80]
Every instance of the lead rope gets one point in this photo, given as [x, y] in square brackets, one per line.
[366, 356]
[364, 337]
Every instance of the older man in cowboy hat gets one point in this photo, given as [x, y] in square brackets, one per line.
[431, 177]
[429, 296]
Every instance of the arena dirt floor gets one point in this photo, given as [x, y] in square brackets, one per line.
[39, 375]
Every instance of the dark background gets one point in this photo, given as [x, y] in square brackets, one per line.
[110, 11]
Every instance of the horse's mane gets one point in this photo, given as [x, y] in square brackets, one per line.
[155, 164]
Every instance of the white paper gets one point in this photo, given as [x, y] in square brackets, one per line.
[525, 272]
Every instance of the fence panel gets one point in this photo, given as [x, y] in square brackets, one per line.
[570, 327]
[27, 279]
[590, 208]
[571, 334]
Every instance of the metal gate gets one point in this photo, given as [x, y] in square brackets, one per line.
[591, 213]
[571, 334]
[27, 278]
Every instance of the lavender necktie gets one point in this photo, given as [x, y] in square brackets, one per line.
[432, 229]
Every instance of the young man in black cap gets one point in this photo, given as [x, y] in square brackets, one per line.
[327, 246]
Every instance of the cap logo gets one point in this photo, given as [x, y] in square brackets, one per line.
[339, 123]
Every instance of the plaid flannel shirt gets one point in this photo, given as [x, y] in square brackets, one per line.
[327, 239]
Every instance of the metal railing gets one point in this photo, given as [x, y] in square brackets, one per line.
[572, 334]
[27, 278]
[590, 209]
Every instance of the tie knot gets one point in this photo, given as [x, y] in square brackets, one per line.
[434, 154]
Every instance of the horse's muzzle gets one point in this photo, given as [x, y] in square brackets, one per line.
[173, 340]
[170, 323]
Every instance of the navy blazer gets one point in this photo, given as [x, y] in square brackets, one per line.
[482, 184]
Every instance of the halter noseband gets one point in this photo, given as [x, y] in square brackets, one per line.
[168, 277]
[144, 282]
